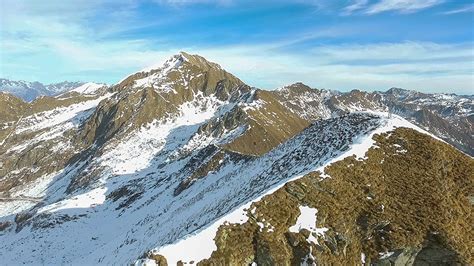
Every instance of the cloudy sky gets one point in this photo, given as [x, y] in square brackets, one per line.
[425, 45]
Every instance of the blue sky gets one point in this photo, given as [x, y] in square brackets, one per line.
[426, 45]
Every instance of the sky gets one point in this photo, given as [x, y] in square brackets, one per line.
[424, 45]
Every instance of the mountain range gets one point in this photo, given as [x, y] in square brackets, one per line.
[186, 164]
[29, 91]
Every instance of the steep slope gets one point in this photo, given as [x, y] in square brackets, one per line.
[11, 107]
[38, 142]
[269, 124]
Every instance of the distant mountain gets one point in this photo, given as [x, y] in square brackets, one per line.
[448, 116]
[184, 163]
[29, 91]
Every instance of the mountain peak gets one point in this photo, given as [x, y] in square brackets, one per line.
[181, 70]
[176, 60]
[298, 86]
[173, 62]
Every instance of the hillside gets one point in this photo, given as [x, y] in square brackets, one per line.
[185, 156]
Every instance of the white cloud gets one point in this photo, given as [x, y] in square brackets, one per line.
[464, 9]
[354, 6]
[404, 6]
[427, 67]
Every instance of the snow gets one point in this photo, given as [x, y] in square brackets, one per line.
[362, 144]
[86, 200]
[56, 121]
[174, 62]
[384, 255]
[199, 246]
[254, 105]
[29, 91]
[88, 88]
[36, 189]
[307, 220]
[159, 219]
[137, 152]
[56, 116]
[305, 102]
[158, 79]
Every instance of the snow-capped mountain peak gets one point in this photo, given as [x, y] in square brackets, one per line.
[173, 62]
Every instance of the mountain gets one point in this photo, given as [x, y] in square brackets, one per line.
[30, 91]
[185, 163]
[447, 116]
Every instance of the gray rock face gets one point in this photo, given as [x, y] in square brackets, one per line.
[400, 257]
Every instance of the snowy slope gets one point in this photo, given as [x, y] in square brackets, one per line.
[77, 216]
[204, 239]
[88, 88]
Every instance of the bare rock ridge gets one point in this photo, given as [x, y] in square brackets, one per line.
[186, 154]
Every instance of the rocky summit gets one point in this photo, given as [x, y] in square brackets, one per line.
[184, 163]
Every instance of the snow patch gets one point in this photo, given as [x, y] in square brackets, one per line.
[307, 220]
[56, 116]
[89, 199]
[88, 88]
[200, 246]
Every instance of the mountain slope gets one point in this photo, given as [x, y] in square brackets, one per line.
[129, 194]
[447, 116]
[173, 150]
[400, 214]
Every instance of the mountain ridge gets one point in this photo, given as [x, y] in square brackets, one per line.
[169, 151]
[30, 91]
